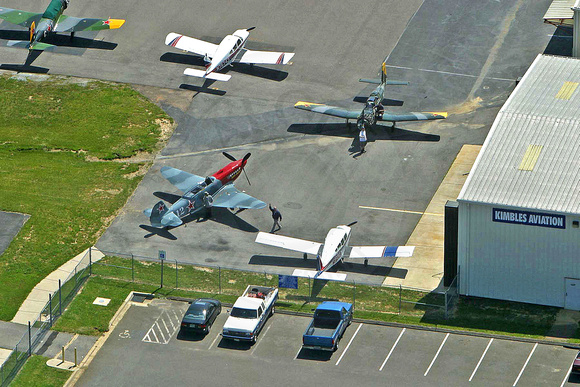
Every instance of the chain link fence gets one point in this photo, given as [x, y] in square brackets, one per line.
[38, 328]
[367, 298]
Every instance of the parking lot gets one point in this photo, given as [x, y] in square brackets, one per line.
[146, 349]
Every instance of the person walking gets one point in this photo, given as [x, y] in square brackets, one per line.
[277, 216]
[362, 139]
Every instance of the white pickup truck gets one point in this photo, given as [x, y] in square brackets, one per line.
[249, 313]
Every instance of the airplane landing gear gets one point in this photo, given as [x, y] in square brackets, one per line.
[305, 256]
[72, 35]
[366, 262]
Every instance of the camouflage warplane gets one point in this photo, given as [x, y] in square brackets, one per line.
[52, 21]
[373, 110]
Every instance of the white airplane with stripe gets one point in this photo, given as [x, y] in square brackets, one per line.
[231, 49]
[332, 251]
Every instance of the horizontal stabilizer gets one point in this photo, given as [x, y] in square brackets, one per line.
[381, 251]
[202, 74]
[288, 243]
[324, 276]
[389, 82]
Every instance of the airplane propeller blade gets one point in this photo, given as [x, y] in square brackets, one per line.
[246, 157]
[229, 156]
[249, 29]
[352, 223]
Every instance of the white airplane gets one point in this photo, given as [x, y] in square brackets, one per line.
[332, 251]
[231, 49]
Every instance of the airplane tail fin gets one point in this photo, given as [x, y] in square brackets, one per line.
[32, 29]
[159, 216]
[383, 80]
[384, 73]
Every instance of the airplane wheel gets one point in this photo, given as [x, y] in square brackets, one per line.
[366, 262]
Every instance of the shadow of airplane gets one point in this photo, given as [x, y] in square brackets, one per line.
[379, 132]
[27, 66]
[60, 40]
[348, 266]
[249, 69]
[170, 198]
[219, 215]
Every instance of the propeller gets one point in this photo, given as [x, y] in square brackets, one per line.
[249, 29]
[246, 157]
[352, 223]
[229, 156]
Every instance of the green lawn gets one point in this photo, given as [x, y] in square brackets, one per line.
[51, 137]
[36, 373]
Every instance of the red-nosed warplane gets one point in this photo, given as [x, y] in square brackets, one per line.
[52, 21]
[201, 193]
[231, 49]
[332, 251]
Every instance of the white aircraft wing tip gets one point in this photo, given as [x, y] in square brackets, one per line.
[202, 74]
[323, 276]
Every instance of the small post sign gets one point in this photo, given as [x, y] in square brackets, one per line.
[287, 281]
[162, 255]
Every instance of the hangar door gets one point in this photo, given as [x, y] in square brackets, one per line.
[572, 294]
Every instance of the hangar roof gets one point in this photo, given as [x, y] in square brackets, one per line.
[560, 13]
[531, 156]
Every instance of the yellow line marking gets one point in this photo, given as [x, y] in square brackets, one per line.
[403, 211]
[567, 90]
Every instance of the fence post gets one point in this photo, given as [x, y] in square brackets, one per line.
[176, 286]
[59, 298]
[400, 291]
[309, 292]
[264, 278]
[29, 340]
[446, 304]
[354, 295]
[162, 272]
[220, 279]
[50, 308]
[90, 261]
[132, 269]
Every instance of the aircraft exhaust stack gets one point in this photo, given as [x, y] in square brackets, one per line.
[352, 223]
[249, 29]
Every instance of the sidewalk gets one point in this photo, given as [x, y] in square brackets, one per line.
[425, 268]
[38, 297]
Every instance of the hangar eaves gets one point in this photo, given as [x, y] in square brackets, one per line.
[519, 210]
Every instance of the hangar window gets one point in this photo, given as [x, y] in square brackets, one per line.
[575, 224]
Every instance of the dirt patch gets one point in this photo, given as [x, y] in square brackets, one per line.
[205, 269]
[466, 107]
[140, 172]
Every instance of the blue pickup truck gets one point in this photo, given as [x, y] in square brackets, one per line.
[330, 320]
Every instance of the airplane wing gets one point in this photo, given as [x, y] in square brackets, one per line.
[288, 243]
[328, 110]
[186, 43]
[182, 180]
[264, 57]
[412, 116]
[381, 251]
[74, 24]
[21, 18]
[231, 197]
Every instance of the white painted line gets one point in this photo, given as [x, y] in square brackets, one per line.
[392, 349]
[525, 364]
[262, 338]
[176, 317]
[437, 354]
[480, 360]
[348, 345]
[146, 338]
[567, 374]
[450, 73]
[161, 332]
[166, 328]
[156, 338]
[403, 211]
[298, 353]
[213, 342]
[171, 322]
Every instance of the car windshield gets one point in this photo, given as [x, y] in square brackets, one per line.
[196, 311]
[244, 313]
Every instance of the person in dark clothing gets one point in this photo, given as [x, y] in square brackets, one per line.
[277, 216]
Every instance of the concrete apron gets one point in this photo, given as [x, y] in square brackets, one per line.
[425, 267]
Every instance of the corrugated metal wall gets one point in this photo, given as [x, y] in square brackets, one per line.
[513, 261]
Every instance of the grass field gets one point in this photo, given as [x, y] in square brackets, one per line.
[60, 150]
[36, 373]
[375, 303]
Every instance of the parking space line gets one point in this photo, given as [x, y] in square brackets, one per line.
[154, 334]
[567, 374]
[176, 317]
[165, 324]
[298, 353]
[171, 322]
[160, 332]
[392, 349]
[480, 360]
[348, 345]
[525, 364]
[437, 354]
[258, 342]
[213, 342]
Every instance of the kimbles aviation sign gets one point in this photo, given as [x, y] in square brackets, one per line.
[528, 218]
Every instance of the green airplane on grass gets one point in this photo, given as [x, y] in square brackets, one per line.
[52, 21]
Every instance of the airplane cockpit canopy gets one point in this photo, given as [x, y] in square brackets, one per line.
[208, 180]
